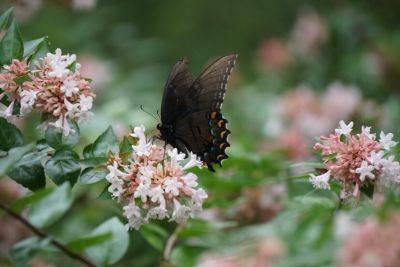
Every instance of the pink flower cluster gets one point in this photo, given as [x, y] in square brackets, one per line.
[155, 184]
[356, 159]
[373, 244]
[300, 114]
[54, 87]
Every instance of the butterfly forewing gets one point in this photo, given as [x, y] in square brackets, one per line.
[177, 86]
[193, 111]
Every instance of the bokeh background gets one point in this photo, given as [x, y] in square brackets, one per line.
[302, 67]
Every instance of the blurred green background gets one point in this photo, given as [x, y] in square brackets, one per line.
[128, 49]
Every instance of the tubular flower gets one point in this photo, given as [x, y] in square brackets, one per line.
[154, 184]
[356, 159]
[53, 86]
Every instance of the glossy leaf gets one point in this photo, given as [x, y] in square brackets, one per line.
[10, 136]
[107, 142]
[111, 251]
[5, 18]
[32, 46]
[12, 157]
[57, 140]
[52, 207]
[82, 243]
[11, 46]
[92, 175]
[63, 166]
[29, 171]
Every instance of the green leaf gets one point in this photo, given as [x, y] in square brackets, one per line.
[23, 251]
[29, 171]
[126, 146]
[12, 157]
[82, 243]
[5, 18]
[23, 202]
[63, 166]
[21, 79]
[41, 51]
[154, 235]
[105, 143]
[11, 47]
[32, 46]
[92, 175]
[49, 209]
[111, 251]
[57, 140]
[10, 136]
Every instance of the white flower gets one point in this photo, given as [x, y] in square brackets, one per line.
[175, 155]
[28, 98]
[365, 170]
[320, 181]
[69, 87]
[85, 102]
[156, 194]
[114, 178]
[344, 128]
[386, 140]
[367, 131]
[142, 148]
[72, 109]
[59, 63]
[114, 172]
[172, 186]
[193, 162]
[142, 191]
[375, 159]
[146, 174]
[199, 196]
[62, 124]
[132, 213]
[190, 179]
[390, 170]
[181, 212]
[7, 112]
[159, 212]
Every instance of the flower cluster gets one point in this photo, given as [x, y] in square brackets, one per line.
[300, 114]
[153, 183]
[372, 244]
[53, 86]
[356, 159]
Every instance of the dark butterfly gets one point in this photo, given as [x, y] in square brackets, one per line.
[191, 118]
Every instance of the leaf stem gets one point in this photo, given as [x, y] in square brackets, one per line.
[172, 241]
[40, 233]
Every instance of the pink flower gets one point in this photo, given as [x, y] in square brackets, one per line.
[372, 244]
[52, 87]
[153, 187]
[355, 159]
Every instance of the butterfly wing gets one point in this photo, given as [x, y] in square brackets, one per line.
[177, 86]
[201, 128]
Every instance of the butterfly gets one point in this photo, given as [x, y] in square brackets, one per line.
[191, 118]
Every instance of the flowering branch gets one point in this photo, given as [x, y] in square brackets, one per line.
[40, 233]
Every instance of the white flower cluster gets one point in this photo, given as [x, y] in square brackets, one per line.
[353, 159]
[155, 184]
[53, 86]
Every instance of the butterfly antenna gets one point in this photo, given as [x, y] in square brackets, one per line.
[148, 113]
[158, 114]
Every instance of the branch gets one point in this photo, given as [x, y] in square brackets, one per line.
[172, 241]
[43, 234]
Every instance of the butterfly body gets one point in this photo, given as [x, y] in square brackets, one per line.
[191, 118]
